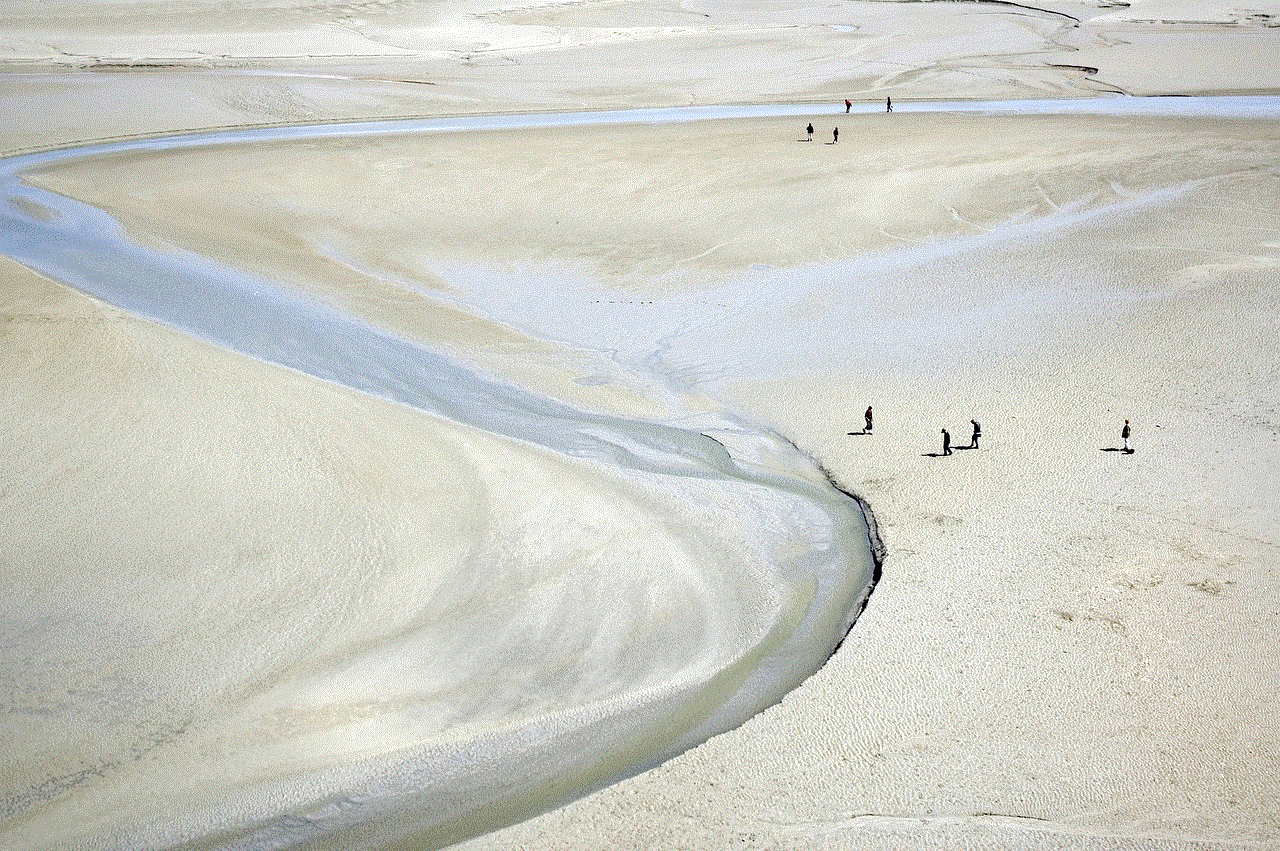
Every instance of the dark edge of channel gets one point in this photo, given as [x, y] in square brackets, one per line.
[878, 550]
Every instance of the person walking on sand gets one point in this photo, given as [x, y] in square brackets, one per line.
[888, 104]
[1124, 435]
[847, 103]
[809, 131]
[835, 135]
[946, 442]
[977, 433]
[867, 430]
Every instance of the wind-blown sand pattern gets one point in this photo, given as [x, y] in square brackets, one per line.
[395, 483]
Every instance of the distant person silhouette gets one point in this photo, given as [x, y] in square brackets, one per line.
[868, 417]
[809, 131]
[835, 135]
[946, 442]
[888, 104]
[977, 433]
[1124, 435]
[847, 103]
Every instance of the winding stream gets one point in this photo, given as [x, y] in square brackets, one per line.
[804, 573]
[767, 614]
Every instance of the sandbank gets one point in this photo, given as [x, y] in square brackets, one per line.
[1070, 647]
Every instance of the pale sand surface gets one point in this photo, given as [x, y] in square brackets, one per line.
[235, 593]
[146, 66]
[1070, 647]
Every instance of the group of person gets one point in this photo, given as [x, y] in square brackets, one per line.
[973, 441]
[835, 131]
[1125, 433]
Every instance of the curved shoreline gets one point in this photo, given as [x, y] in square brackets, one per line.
[72, 242]
[879, 554]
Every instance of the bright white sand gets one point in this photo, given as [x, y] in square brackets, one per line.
[1070, 647]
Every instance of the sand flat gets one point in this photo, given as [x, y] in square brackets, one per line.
[1070, 647]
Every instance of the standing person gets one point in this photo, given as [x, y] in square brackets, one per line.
[847, 104]
[977, 433]
[946, 442]
[888, 104]
[867, 430]
[809, 130]
[1124, 435]
[835, 135]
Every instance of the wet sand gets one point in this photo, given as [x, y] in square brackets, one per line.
[1070, 646]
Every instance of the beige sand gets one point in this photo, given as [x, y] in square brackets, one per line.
[74, 71]
[1070, 648]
